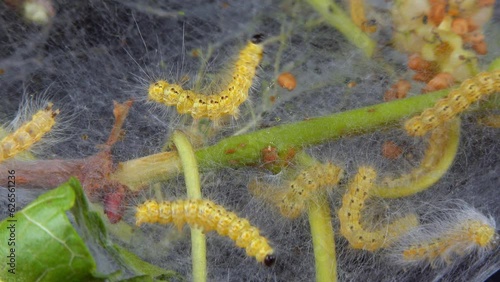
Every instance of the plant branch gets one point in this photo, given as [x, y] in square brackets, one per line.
[432, 175]
[323, 237]
[320, 222]
[192, 178]
[246, 149]
[336, 17]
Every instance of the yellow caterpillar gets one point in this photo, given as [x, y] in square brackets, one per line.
[29, 133]
[208, 216]
[293, 200]
[457, 101]
[218, 105]
[455, 242]
[350, 216]
[440, 242]
[357, 10]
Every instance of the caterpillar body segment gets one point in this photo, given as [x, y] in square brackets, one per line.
[294, 198]
[29, 133]
[208, 216]
[218, 105]
[438, 141]
[306, 185]
[357, 11]
[457, 101]
[349, 214]
[441, 242]
[451, 244]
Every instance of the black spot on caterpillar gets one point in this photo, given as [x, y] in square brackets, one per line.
[350, 215]
[293, 200]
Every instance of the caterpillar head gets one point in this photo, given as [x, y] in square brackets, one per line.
[269, 259]
[156, 90]
[257, 38]
[482, 234]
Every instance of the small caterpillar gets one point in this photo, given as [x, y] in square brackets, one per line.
[350, 216]
[218, 105]
[440, 242]
[357, 9]
[294, 199]
[29, 133]
[208, 216]
[470, 91]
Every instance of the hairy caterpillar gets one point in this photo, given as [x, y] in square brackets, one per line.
[208, 216]
[470, 91]
[439, 155]
[350, 216]
[293, 200]
[440, 242]
[29, 133]
[218, 105]
[357, 9]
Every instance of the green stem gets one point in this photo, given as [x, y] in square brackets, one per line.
[323, 237]
[336, 17]
[246, 149]
[322, 234]
[192, 178]
[431, 176]
[494, 65]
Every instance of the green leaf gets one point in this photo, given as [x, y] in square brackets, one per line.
[93, 229]
[141, 266]
[47, 247]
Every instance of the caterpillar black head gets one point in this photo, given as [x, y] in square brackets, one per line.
[257, 38]
[269, 260]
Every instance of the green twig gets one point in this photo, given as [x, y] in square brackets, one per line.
[494, 65]
[192, 178]
[246, 149]
[322, 234]
[335, 16]
[431, 176]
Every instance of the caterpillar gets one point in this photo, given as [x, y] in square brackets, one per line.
[445, 239]
[470, 91]
[217, 105]
[357, 10]
[350, 215]
[294, 199]
[208, 216]
[438, 157]
[28, 133]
